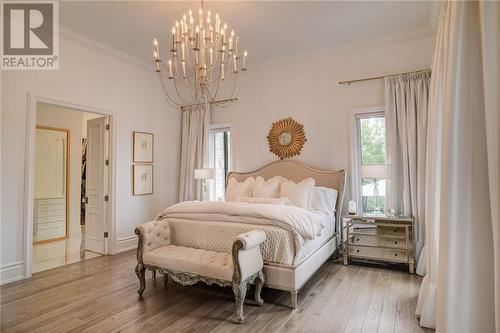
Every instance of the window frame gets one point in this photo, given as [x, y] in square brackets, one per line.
[356, 181]
[217, 128]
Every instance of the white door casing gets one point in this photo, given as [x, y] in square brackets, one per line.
[96, 185]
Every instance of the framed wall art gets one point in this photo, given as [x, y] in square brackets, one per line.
[142, 179]
[143, 146]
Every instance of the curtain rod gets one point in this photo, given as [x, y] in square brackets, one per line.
[379, 77]
[212, 102]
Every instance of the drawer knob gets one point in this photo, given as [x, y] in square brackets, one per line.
[395, 254]
[357, 250]
[395, 242]
[357, 239]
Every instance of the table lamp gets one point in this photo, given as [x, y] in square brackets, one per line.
[203, 175]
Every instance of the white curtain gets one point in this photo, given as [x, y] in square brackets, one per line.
[406, 99]
[194, 149]
[461, 290]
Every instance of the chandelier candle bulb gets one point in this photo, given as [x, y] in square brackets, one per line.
[236, 48]
[235, 64]
[183, 52]
[244, 60]
[156, 50]
[183, 70]
[173, 39]
[223, 36]
[197, 38]
[211, 57]
[157, 62]
[222, 71]
[170, 73]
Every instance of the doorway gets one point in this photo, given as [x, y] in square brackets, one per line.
[71, 186]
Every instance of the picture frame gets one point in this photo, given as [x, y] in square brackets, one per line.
[142, 179]
[143, 147]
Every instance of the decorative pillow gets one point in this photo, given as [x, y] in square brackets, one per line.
[236, 190]
[300, 194]
[271, 201]
[267, 189]
[324, 198]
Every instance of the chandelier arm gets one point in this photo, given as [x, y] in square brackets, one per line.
[234, 85]
[178, 93]
[216, 58]
[218, 85]
[182, 78]
[189, 57]
[165, 90]
[167, 97]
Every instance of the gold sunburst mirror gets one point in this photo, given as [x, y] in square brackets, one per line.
[286, 138]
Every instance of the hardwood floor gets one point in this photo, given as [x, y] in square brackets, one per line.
[60, 253]
[99, 295]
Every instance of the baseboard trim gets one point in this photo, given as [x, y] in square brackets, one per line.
[126, 244]
[11, 272]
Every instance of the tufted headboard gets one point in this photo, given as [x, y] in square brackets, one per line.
[297, 171]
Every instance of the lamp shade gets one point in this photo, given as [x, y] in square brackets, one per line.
[375, 171]
[203, 173]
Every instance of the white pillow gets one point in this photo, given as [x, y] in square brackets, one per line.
[236, 190]
[267, 189]
[324, 198]
[271, 201]
[300, 194]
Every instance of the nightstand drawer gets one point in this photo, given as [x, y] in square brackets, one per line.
[397, 231]
[377, 241]
[377, 253]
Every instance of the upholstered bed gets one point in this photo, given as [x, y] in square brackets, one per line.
[294, 249]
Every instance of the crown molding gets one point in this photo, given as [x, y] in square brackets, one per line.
[92, 44]
[377, 42]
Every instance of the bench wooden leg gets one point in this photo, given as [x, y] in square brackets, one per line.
[141, 274]
[293, 299]
[239, 290]
[259, 282]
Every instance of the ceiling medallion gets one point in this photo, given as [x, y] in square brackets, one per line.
[204, 56]
[286, 138]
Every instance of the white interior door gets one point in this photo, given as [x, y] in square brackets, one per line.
[96, 185]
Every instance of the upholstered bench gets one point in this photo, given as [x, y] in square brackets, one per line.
[187, 265]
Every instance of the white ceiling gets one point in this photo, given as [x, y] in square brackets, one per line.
[267, 29]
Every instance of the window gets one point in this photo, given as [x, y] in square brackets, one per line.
[371, 162]
[220, 161]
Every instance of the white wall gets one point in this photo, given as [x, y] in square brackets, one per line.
[88, 75]
[53, 116]
[306, 88]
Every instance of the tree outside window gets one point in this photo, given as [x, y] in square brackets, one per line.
[374, 171]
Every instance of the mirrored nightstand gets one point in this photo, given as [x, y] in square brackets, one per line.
[379, 237]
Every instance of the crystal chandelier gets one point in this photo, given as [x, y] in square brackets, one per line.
[204, 62]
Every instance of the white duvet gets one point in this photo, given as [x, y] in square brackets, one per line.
[304, 224]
